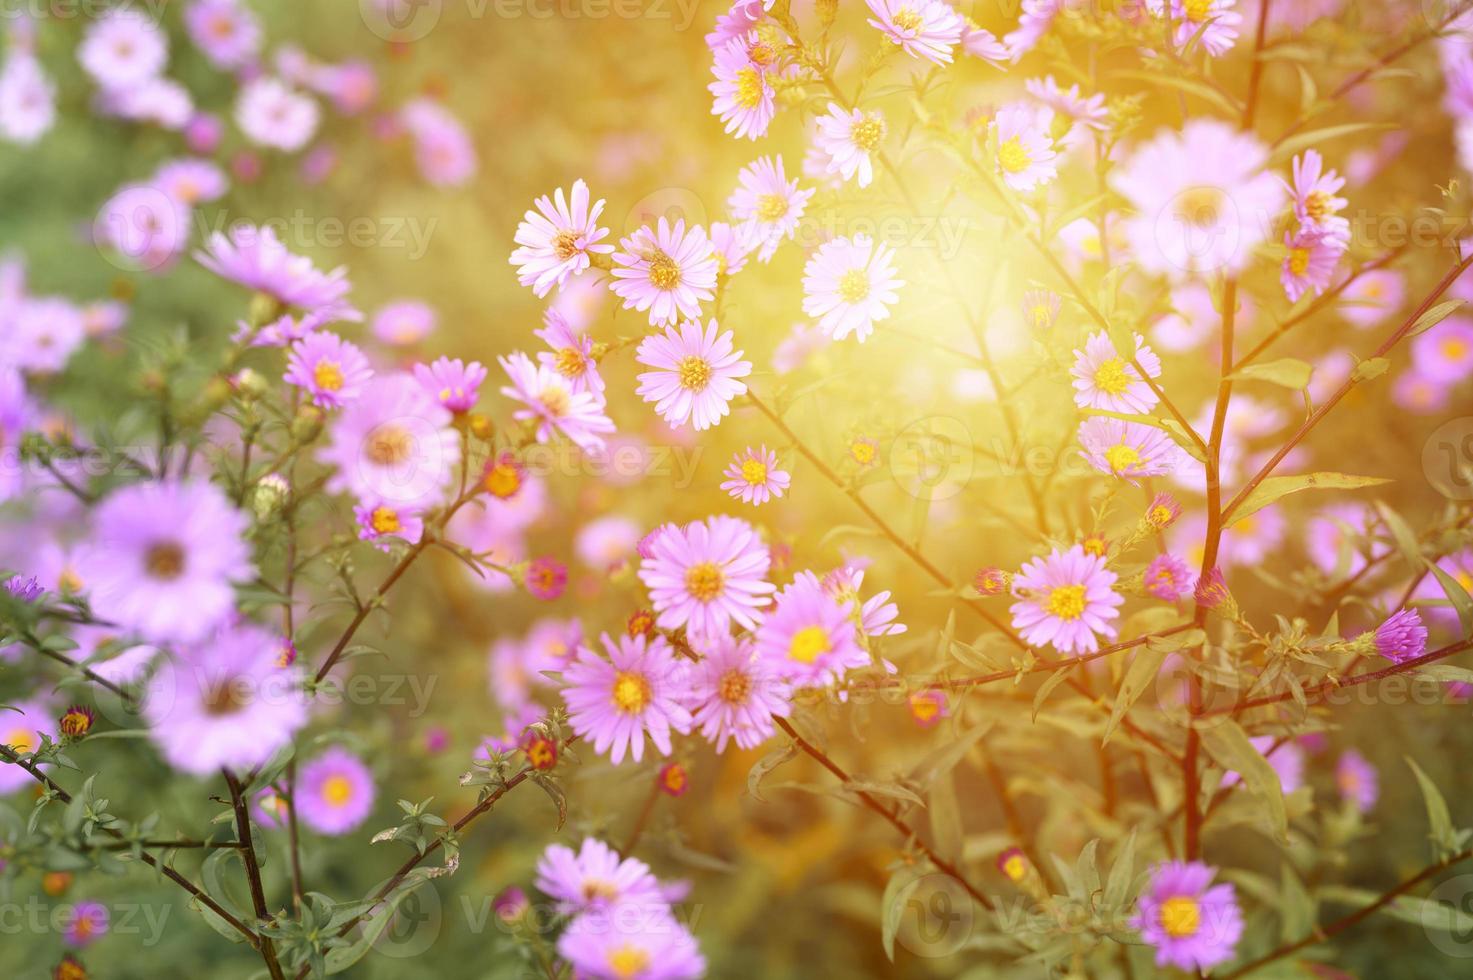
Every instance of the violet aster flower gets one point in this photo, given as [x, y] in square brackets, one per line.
[164, 558]
[571, 355]
[1211, 590]
[453, 383]
[21, 728]
[1445, 353]
[393, 443]
[926, 29]
[24, 589]
[380, 520]
[331, 370]
[227, 32]
[556, 240]
[742, 95]
[695, 374]
[1311, 263]
[668, 271]
[1169, 578]
[1402, 637]
[735, 693]
[270, 808]
[1314, 190]
[143, 225]
[27, 99]
[877, 614]
[849, 285]
[1211, 23]
[1036, 18]
[443, 148]
[1066, 599]
[404, 322]
[191, 181]
[707, 574]
[734, 244]
[640, 690]
[1193, 924]
[553, 404]
[767, 204]
[334, 792]
[1357, 780]
[256, 259]
[1105, 380]
[1129, 450]
[595, 877]
[87, 923]
[649, 945]
[809, 636]
[273, 114]
[753, 476]
[1163, 511]
[545, 578]
[224, 702]
[123, 48]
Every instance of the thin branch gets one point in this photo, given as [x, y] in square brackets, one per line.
[253, 871]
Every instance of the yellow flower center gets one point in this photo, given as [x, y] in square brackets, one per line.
[165, 560]
[1012, 157]
[1159, 516]
[1197, 10]
[385, 520]
[867, 134]
[808, 643]
[854, 286]
[631, 692]
[754, 471]
[1041, 315]
[1181, 916]
[748, 88]
[695, 373]
[664, 273]
[923, 708]
[565, 245]
[1014, 867]
[1094, 545]
[734, 687]
[1200, 206]
[761, 53]
[556, 400]
[862, 451]
[1349, 781]
[570, 363]
[337, 790]
[770, 207]
[1112, 377]
[1454, 348]
[1317, 204]
[503, 480]
[907, 20]
[389, 445]
[1065, 602]
[628, 962]
[1121, 458]
[328, 376]
[22, 740]
[1298, 261]
[704, 581]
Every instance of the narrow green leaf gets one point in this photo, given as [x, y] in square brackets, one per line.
[1433, 317]
[1047, 688]
[1457, 595]
[1145, 665]
[1288, 372]
[1275, 487]
[1229, 745]
[1441, 822]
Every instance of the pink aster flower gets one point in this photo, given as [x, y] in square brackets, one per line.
[571, 355]
[647, 945]
[123, 48]
[1402, 636]
[335, 792]
[1311, 263]
[1129, 450]
[165, 558]
[638, 691]
[982, 43]
[1193, 924]
[768, 203]
[443, 149]
[404, 322]
[741, 94]
[270, 808]
[1357, 781]
[1416, 392]
[226, 31]
[923, 28]
[1445, 353]
[733, 244]
[553, 404]
[849, 284]
[352, 87]
[1344, 531]
[43, 333]
[1211, 23]
[707, 574]
[453, 383]
[21, 728]
[848, 139]
[809, 636]
[556, 241]
[392, 443]
[380, 520]
[695, 374]
[594, 878]
[606, 542]
[1066, 599]
[667, 271]
[1026, 159]
[1313, 191]
[546, 578]
[87, 923]
[1372, 297]
[1036, 18]
[191, 181]
[27, 100]
[160, 101]
[1202, 201]
[1081, 114]
[328, 368]
[1286, 759]
[754, 477]
[271, 113]
[1105, 380]
[224, 702]
[736, 693]
[144, 225]
[256, 259]
[1169, 578]
[877, 614]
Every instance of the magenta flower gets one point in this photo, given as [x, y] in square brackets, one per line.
[1163, 511]
[335, 792]
[379, 521]
[394, 443]
[707, 574]
[256, 258]
[1211, 23]
[849, 285]
[809, 636]
[87, 923]
[453, 383]
[443, 149]
[1105, 380]
[404, 322]
[227, 32]
[877, 614]
[1445, 353]
[1211, 590]
[165, 557]
[1311, 262]
[594, 878]
[143, 224]
[123, 48]
[331, 370]
[1040, 309]
[1286, 760]
[1066, 599]
[191, 181]
[1314, 189]
[1026, 159]
[1193, 924]
[1402, 637]
[639, 691]
[571, 355]
[767, 204]
[273, 114]
[926, 29]
[647, 944]
[546, 578]
[556, 241]
[695, 374]
[1169, 578]
[270, 808]
[27, 99]
[734, 244]
[753, 476]
[1357, 780]
[1129, 450]
[667, 271]
[1036, 18]
[553, 405]
[735, 693]
[847, 138]
[741, 94]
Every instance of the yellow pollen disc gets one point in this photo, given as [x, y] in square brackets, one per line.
[1317, 204]
[1247, 526]
[761, 53]
[867, 134]
[1181, 916]
[754, 471]
[1454, 348]
[770, 207]
[704, 581]
[631, 693]
[808, 643]
[664, 273]
[1373, 289]
[734, 687]
[1348, 780]
[165, 560]
[1197, 10]
[923, 708]
[385, 520]
[1041, 315]
[1298, 261]
[854, 285]
[328, 376]
[907, 20]
[503, 480]
[863, 452]
[337, 790]
[1094, 545]
[628, 962]
[1014, 868]
[748, 88]
[695, 373]
[1121, 458]
[1159, 516]
[1012, 157]
[565, 245]
[1112, 377]
[389, 445]
[1465, 580]
[570, 363]
[69, 581]
[556, 400]
[1200, 206]
[1065, 602]
[22, 740]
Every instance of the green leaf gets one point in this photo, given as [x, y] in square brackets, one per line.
[941, 760]
[765, 765]
[1229, 745]
[374, 926]
[1442, 916]
[1441, 822]
[1315, 137]
[1296, 907]
[1047, 688]
[1370, 369]
[1403, 535]
[946, 816]
[898, 889]
[1433, 317]
[1275, 487]
[1288, 372]
[1145, 665]
[1184, 439]
[1457, 595]
[1122, 873]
